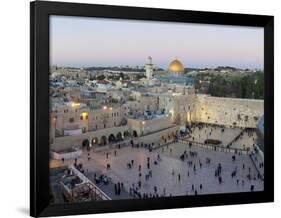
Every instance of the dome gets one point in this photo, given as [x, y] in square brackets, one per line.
[175, 66]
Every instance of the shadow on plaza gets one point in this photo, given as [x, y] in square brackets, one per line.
[23, 210]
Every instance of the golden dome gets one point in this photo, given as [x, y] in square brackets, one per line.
[175, 66]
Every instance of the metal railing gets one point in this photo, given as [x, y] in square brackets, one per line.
[96, 190]
[216, 147]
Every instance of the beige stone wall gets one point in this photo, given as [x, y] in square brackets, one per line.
[160, 136]
[90, 119]
[61, 143]
[134, 107]
[149, 103]
[228, 111]
[143, 127]
[69, 118]
[181, 110]
[180, 107]
[143, 102]
[105, 118]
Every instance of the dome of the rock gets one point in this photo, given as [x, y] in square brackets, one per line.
[175, 67]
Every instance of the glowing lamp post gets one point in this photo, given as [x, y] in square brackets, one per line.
[143, 124]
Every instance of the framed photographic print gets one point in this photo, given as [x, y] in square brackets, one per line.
[142, 109]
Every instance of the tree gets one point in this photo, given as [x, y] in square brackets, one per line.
[100, 77]
[238, 86]
[140, 76]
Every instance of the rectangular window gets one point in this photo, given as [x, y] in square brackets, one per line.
[71, 120]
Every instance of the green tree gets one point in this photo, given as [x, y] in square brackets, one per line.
[100, 77]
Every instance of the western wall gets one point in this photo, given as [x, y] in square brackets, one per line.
[237, 112]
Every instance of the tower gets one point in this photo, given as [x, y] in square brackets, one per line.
[149, 68]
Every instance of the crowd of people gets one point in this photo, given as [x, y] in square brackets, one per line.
[194, 163]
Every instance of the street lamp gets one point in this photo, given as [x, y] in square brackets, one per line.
[143, 123]
[90, 145]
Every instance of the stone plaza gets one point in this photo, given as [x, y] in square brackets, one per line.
[171, 176]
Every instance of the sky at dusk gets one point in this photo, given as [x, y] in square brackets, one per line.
[83, 42]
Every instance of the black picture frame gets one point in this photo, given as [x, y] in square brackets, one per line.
[39, 106]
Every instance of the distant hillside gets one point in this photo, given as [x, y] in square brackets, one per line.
[219, 68]
[225, 68]
[116, 68]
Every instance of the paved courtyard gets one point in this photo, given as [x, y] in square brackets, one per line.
[166, 173]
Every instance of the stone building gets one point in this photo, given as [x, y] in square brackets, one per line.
[85, 115]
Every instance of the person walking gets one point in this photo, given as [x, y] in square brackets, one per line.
[115, 189]
[118, 188]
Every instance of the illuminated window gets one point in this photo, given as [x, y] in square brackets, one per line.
[84, 116]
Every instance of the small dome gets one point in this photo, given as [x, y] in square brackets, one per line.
[175, 66]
